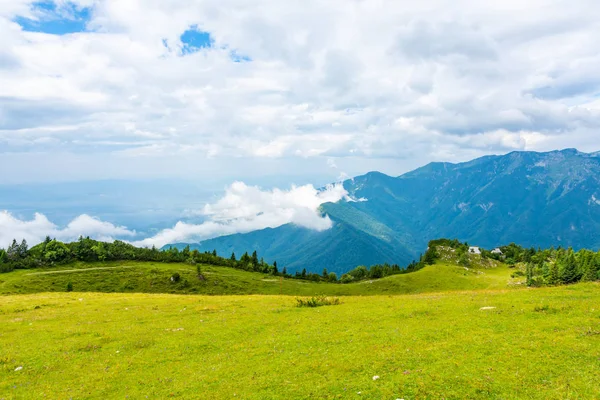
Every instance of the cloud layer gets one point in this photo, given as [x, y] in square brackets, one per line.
[242, 209]
[36, 229]
[102, 88]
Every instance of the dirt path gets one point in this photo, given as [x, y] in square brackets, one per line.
[64, 271]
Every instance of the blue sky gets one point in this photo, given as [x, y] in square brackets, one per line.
[266, 91]
[48, 17]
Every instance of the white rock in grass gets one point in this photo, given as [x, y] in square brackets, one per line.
[376, 377]
[487, 308]
[18, 368]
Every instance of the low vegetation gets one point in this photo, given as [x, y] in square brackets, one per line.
[317, 301]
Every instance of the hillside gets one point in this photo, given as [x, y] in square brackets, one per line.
[534, 199]
[519, 344]
[149, 277]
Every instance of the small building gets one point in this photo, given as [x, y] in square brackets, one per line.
[474, 250]
[497, 251]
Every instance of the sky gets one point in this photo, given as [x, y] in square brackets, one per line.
[300, 91]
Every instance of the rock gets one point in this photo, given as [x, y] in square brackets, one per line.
[487, 308]
[376, 377]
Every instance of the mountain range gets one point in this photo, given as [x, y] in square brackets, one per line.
[533, 199]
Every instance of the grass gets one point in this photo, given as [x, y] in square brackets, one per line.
[450, 345]
[146, 277]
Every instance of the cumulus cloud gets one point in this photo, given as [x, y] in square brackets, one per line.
[241, 209]
[36, 229]
[246, 208]
[297, 82]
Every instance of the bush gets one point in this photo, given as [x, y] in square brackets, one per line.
[317, 301]
[346, 278]
[176, 277]
[69, 287]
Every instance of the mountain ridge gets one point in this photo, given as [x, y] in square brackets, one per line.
[532, 198]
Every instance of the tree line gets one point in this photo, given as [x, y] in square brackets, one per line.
[552, 266]
[52, 252]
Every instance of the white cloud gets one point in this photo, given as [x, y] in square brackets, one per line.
[246, 208]
[358, 80]
[242, 208]
[36, 229]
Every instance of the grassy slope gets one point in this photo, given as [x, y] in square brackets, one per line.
[97, 346]
[155, 278]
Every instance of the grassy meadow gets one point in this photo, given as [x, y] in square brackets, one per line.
[534, 344]
[148, 277]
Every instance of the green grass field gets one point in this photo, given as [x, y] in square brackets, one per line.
[140, 277]
[535, 344]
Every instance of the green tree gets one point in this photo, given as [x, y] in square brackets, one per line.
[56, 251]
[254, 259]
[325, 273]
[529, 273]
[284, 272]
[304, 272]
[463, 260]
[233, 257]
[332, 277]
[553, 276]
[590, 269]
[99, 251]
[569, 273]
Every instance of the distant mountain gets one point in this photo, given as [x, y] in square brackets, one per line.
[534, 199]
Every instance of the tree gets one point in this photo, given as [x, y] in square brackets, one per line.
[23, 248]
[214, 253]
[56, 251]
[590, 269]
[325, 273]
[569, 272]
[430, 256]
[13, 251]
[332, 277]
[463, 260]
[233, 257]
[553, 277]
[284, 272]
[69, 287]
[254, 259]
[304, 272]
[529, 273]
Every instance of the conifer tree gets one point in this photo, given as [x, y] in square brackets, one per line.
[569, 272]
[529, 274]
[553, 278]
[590, 269]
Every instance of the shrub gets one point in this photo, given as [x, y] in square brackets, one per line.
[176, 277]
[69, 287]
[317, 301]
